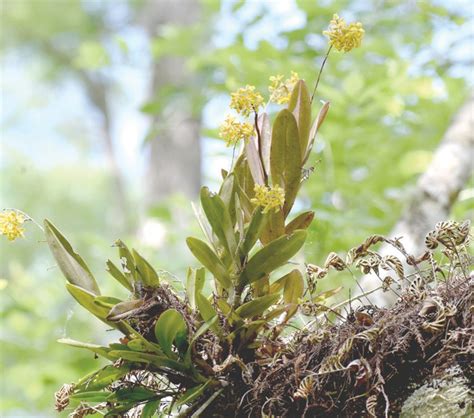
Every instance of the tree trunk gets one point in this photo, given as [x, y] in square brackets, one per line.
[174, 159]
[434, 193]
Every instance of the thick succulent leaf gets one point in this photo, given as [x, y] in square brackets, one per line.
[294, 287]
[314, 130]
[272, 256]
[255, 164]
[300, 106]
[96, 349]
[118, 275]
[257, 306]
[207, 312]
[71, 264]
[147, 273]
[209, 259]
[219, 218]
[302, 221]
[285, 157]
[255, 228]
[170, 326]
[123, 309]
[266, 139]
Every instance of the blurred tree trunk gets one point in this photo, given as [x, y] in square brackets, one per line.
[174, 159]
[434, 194]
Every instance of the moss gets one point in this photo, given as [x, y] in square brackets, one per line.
[448, 396]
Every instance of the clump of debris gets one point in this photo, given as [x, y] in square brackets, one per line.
[413, 359]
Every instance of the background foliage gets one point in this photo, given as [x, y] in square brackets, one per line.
[391, 101]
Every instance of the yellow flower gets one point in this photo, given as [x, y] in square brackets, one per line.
[11, 224]
[246, 100]
[268, 197]
[233, 131]
[344, 37]
[280, 91]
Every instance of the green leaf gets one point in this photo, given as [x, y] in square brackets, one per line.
[123, 309]
[266, 139]
[106, 301]
[257, 306]
[71, 264]
[192, 394]
[294, 287]
[257, 223]
[321, 297]
[133, 334]
[137, 393]
[195, 280]
[285, 157]
[227, 194]
[253, 159]
[300, 106]
[207, 312]
[118, 275]
[86, 299]
[150, 408]
[272, 256]
[170, 326]
[314, 130]
[279, 284]
[302, 221]
[103, 377]
[219, 218]
[208, 259]
[147, 273]
[96, 349]
[126, 261]
[139, 357]
[137, 345]
[91, 396]
[274, 227]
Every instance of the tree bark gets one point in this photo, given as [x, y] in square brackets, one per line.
[434, 193]
[174, 152]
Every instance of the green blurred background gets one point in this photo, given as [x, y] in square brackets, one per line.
[110, 110]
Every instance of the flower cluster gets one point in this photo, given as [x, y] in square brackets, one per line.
[11, 224]
[268, 197]
[246, 100]
[344, 37]
[280, 91]
[233, 131]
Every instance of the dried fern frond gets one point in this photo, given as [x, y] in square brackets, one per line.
[61, 397]
[305, 388]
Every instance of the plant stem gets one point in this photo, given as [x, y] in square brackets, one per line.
[260, 154]
[320, 72]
